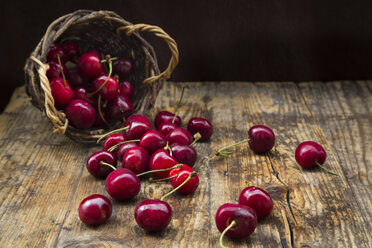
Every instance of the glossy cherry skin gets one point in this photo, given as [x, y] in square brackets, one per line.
[95, 167]
[202, 126]
[138, 126]
[71, 50]
[123, 67]
[152, 141]
[257, 199]
[161, 160]
[262, 138]
[110, 90]
[136, 159]
[95, 210]
[120, 107]
[122, 184]
[126, 89]
[80, 114]
[54, 51]
[182, 174]
[184, 154]
[81, 92]
[153, 215]
[180, 136]
[244, 216]
[61, 91]
[55, 70]
[166, 116]
[113, 139]
[309, 152]
[166, 128]
[122, 149]
[89, 65]
[75, 78]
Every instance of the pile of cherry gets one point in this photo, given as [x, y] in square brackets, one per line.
[91, 89]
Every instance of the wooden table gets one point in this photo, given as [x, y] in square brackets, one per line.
[43, 176]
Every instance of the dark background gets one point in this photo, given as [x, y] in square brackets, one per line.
[248, 40]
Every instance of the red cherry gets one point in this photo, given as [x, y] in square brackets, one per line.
[180, 136]
[166, 116]
[166, 128]
[99, 122]
[80, 114]
[161, 160]
[81, 92]
[122, 184]
[55, 70]
[136, 159]
[152, 141]
[89, 65]
[122, 149]
[202, 126]
[61, 91]
[120, 107]
[75, 78]
[241, 220]
[109, 90]
[184, 154]
[54, 51]
[126, 89]
[113, 139]
[181, 174]
[262, 138]
[95, 163]
[71, 50]
[153, 215]
[123, 67]
[257, 199]
[95, 210]
[138, 126]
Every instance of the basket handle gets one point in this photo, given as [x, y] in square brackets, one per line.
[157, 31]
[53, 114]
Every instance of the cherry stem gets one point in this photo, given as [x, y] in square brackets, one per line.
[108, 77]
[225, 154]
[151, 179]
[178, 105]
[100, 111]
[63, 74]
[167, 147]
[69, 38]
[197, 137]
[112, 148]
[109, 165]
[327, 170]
[104, 64]
[167, 169]
[232, 224]
[105, 60]
[111, 132]
[250, 184]
[192, 174]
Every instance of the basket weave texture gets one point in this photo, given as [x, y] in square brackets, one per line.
[111, 34]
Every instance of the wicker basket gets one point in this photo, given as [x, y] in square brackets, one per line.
[113, 35]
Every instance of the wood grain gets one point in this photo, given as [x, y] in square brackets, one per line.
[43, 179]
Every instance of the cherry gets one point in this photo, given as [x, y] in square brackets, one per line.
[179, 175]
[122, 184]
[99, 122]
[257, 199]
[184, 154]
[61, 91]
[153, 215]
[55, 69]
[54, 51]
[262, 138]
[152, 141]
[126, 89]
[75, 78]
[166, 116]
[309, 154]
[138, 126]
[81, 92]
[136, 159]
[89, 65]
[80, 114]
[202, 126]
[123, 66]
[106, 86]
[123, 148]
[235, 221]
[161, 160]
[71, 50]
[95, 210]
[120, 107]
[166, 128]
[113, 139]
[101, 163]
[180, 136]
